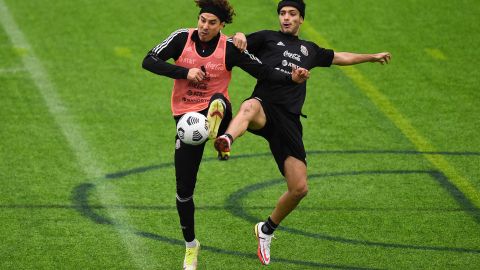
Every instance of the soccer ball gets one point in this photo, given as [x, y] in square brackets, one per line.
[192, 128]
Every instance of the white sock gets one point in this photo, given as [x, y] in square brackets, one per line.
[191, 244]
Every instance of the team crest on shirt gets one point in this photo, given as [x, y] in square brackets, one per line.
[304, 50]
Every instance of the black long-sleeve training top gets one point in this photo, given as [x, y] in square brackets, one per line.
[282, 52]
[172, 48]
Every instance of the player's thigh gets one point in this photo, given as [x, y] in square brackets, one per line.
[296, 175]
[253, 111]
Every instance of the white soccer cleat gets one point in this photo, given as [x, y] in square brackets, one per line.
[215, 115]
[191, 255]
[264, 240]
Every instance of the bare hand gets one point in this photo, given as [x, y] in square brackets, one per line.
[382, 58]
[300, 75]
[240, 41]
[195, 75]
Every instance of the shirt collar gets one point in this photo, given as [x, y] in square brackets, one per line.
[212, 42]
[291, 37]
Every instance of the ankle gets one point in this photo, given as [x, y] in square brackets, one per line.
[191, 244]
[269, 226]
[230, 137]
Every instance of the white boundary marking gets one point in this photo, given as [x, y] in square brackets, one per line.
[12, 70]
[72, 132]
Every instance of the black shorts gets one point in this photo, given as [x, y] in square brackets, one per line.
[284, 133]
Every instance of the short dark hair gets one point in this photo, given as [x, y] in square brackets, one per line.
[224, 11]
[298, 4]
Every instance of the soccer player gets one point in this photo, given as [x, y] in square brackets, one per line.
[273, 111]
[204, 58]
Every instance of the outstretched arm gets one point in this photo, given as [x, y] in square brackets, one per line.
[347, 58]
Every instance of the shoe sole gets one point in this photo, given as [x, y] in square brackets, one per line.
[215, 117]
[259, 253]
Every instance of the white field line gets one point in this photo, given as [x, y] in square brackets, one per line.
[87, 160]
[12, 70]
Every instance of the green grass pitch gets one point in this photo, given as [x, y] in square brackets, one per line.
[87, 142]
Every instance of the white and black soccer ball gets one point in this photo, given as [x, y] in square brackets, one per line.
[192, 128]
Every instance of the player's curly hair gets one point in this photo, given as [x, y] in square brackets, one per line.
[222, 5]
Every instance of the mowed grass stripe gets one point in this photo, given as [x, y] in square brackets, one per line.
[13, 70]
[73, 134]
[386, 107]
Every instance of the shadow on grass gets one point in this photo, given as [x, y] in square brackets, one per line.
[233, 204]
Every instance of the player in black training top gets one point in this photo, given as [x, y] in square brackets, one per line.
[274, 110]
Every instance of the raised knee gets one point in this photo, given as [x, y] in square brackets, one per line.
[249, 107]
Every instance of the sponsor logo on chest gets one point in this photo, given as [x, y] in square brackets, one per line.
[188, 61]
[214, 66]
[293, 56]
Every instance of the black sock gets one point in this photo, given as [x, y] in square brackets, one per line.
[269, 226]
[186, 212]
[230, 137]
